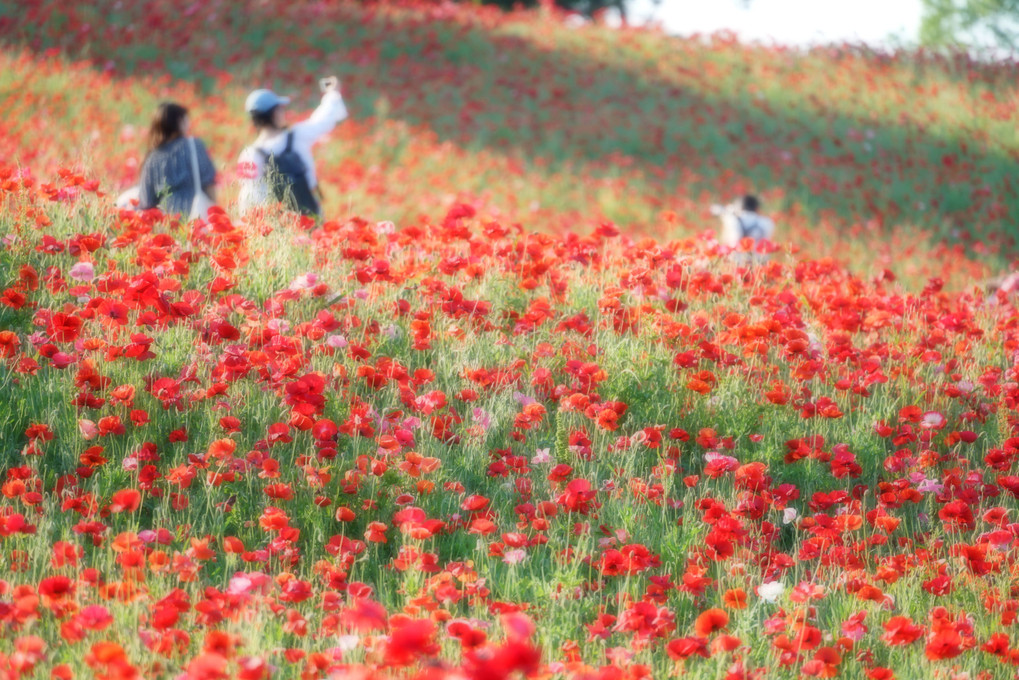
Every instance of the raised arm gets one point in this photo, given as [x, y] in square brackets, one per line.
[330, 111]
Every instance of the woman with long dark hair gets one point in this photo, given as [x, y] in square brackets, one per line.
[168, 176]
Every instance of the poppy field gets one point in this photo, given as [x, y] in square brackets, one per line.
[509, 411]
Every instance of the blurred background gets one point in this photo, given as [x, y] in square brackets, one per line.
[880, 133]
[790, 22]
[988, 25]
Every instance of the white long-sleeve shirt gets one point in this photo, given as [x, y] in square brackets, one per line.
[251, 164]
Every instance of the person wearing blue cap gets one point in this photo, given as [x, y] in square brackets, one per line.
[279, 166]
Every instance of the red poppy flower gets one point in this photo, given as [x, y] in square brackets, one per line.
[125, 500]
[709, 621]
[411, 641]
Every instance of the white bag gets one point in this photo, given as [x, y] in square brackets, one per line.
[202, 203]
[129, 199]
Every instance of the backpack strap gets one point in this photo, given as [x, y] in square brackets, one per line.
[742, 227]
[754, 231]
[289, 147]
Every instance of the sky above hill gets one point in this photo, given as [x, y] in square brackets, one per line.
[791, 22]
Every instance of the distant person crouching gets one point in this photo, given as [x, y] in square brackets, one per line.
[1002, 288]
[742, 219]
[278, 166]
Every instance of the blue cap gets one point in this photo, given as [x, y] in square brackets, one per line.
[262, 101]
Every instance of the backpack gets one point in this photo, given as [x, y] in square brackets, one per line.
[287, 179]
[754, 231]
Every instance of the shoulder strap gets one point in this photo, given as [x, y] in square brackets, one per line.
[742, 227]
[754, 230]
[290, 141]
[193, 152]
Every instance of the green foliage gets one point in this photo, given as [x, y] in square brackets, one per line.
[970, 23]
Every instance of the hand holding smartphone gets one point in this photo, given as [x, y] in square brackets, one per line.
[329, 84]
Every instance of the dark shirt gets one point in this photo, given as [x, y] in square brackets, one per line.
[166, 179]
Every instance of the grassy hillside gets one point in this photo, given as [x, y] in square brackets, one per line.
[545, 125]
[509, 412]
